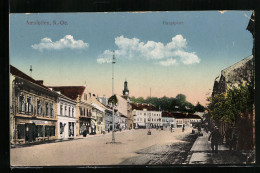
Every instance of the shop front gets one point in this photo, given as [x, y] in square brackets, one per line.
[28, 130]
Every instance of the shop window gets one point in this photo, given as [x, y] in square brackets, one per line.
[39, 107]
[61, 128]
[39, 130]
[21, 131]
[21, 103]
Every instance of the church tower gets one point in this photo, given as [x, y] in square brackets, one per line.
[125, 91]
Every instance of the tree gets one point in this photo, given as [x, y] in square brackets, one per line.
[199, 108]
[233, 104]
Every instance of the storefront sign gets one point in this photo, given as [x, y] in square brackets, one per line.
[39, 122]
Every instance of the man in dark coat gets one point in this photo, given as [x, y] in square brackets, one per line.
[215, 137]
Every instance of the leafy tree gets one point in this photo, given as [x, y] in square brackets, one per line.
[233, 104]
[199, 108]
[113, 99]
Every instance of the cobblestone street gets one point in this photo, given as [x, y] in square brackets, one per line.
[136, 148]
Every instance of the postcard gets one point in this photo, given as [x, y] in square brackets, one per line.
[132, 88]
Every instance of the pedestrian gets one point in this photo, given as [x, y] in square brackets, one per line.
[171, 129]
[215, 137]
[183, 128]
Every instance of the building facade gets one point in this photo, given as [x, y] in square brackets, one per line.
[83, 99]
[67, 112]
[168, 120]
[33, 112]
[98, 115]
[146, 115]
[186, 120]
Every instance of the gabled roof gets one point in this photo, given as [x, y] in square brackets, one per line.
[141, 106]
[70, 91]
[16, 72]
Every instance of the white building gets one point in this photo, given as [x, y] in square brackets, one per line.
[145, 115]
[186, 120]
[168, 120]
[66, 110]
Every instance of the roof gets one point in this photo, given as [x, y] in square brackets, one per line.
[141, 106]
[226, 71]
[184, 115]
[122, 105]
[70, 91]
[16, 72]
[167, 114]
[98, 104]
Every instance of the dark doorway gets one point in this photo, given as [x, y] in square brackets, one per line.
[30, 132]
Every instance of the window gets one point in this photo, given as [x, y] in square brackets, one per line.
[39, 130]
[29, 105]
[84, 111]
[69, 111]
[21, 103]
[72, 112]
[47, 108]
[144, 114]
[61, 109]
[80, 110]
[61, 128]
[52, 112]
[39, 107]
[65, 113]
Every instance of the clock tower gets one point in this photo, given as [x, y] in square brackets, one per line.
[125, 91]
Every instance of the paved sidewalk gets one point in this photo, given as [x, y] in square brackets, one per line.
[201, 153]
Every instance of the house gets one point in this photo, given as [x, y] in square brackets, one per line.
[98, 114]
[66, 111]
[33, 109]
[146, 115]
[83, 99]
[186, 120]
[167, 119]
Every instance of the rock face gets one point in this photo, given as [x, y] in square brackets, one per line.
[240, 73]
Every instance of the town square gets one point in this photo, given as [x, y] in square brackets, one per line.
[151, 88]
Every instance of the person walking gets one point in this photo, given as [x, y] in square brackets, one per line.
[215, 137]
[183, 128]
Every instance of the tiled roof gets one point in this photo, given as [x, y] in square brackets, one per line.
[141, 106]
[14, 71]
[70, 91]
[167, 114]
[183, 115]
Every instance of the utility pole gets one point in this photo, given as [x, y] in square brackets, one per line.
[113, 124]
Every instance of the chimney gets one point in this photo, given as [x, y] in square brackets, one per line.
[40, 82]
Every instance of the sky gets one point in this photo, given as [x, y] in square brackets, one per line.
[169, 52]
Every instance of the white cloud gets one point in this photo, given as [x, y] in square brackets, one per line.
[131, 48]
[64, 43]
[168, 62]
